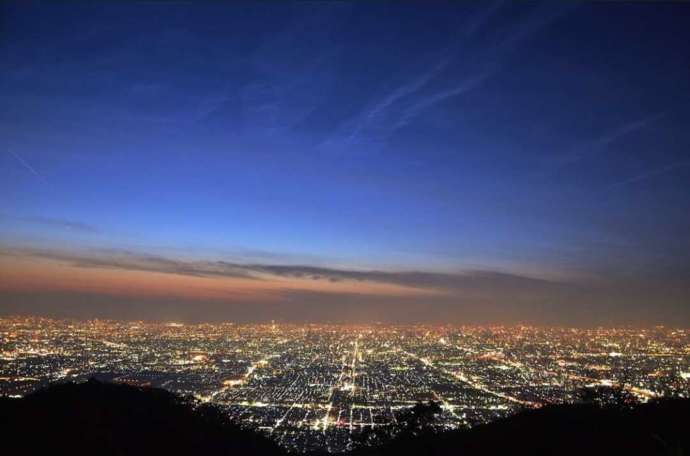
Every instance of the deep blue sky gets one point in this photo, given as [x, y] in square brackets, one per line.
[524, 140]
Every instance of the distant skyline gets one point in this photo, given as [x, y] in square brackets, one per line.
[488, 162]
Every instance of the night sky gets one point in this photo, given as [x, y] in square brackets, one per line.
[492, 162]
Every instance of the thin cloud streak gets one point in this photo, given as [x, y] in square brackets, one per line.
[401, 92]
[407, 101]
[601, 143]
[126, 260]
[71, 225]
[467, 86]
[650, 174]
[26, 165]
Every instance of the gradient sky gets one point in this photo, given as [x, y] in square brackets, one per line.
[370, 161]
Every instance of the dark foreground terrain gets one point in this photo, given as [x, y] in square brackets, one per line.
[658, 428]
[97, 418]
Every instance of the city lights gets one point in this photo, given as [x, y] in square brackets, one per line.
[317, 386]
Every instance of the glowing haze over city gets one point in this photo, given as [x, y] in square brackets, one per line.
[316, 214]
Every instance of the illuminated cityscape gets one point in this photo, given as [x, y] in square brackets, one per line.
[317, 386]
[367, 228]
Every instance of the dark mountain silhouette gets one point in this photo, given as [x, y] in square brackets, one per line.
[95, 418]
[656, 428]
[108, 419]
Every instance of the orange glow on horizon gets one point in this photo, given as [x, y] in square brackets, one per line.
[31, 274]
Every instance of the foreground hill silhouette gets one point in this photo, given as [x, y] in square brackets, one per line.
[97, 418]
[656, 428]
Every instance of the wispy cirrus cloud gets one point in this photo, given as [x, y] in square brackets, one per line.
[26, 165]
[466, 86]
[377, 113]
[650, 174]
[603, 141]
[468, 63]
